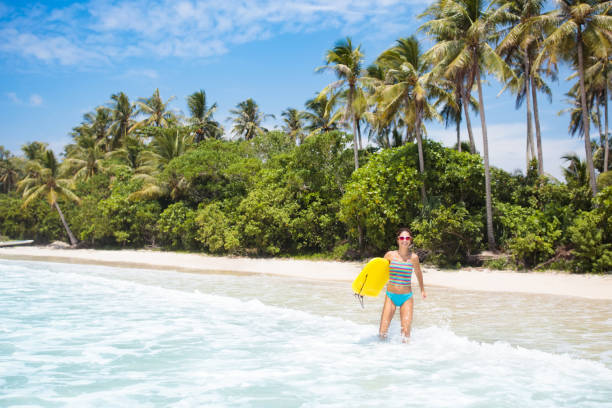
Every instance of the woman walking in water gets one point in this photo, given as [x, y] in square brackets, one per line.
[399, 290]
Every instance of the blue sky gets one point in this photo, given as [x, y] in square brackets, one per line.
[61, 59]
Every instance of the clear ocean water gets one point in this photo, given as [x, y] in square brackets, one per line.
[93, 336]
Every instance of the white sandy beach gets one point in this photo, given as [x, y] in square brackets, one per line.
[552, 283]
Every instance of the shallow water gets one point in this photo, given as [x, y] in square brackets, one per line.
[75, 335]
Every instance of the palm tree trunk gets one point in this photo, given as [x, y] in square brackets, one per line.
[530, 144]
[359, 133]
[485, 152]
[417, 126]
[606, 147]
[468, 122]
[536, 117]
[457, 96]
[73, 240]
[458, 123]
[585, 116]
[599, 126]
[349, 111]
[355, 147]
[528, 155]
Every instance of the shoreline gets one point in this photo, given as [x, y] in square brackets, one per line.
[546, 283]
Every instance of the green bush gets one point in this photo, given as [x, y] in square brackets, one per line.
[216, 230]
[526, 233]
[381, 196]
[449, 234]
[39, 221]
[121, 220]
[591, 236]
[385, 194]
[604, 180]
[177, 228]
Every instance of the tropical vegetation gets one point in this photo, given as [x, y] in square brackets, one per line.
[142, 174]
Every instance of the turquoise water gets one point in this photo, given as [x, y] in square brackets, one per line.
[76, 335]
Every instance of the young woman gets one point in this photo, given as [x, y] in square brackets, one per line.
[399, 290]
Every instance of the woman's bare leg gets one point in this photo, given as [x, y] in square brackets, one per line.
[406, 317]
[385, 320]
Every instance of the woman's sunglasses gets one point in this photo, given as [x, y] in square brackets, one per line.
[404, 238]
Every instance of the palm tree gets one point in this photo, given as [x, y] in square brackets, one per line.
[122, 118]
[407, 87]
[156, 111]
[575, 110]
[43, 180]
[522, 44]
[10, 170]
[293, 125]
[34, 150]
[345, 61]
[320, 113]
[86, 158]
[202, 117]
[598, 80]
[166, 145]
[247, 119]
[97, 124]
[461, 78]
[579, 24]
[467, 28]
[576, 172]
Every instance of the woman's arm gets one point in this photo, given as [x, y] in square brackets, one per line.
[419, 274]
[389, 256]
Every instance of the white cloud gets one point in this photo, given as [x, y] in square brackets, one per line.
[14, 98]
[147, 73]
[36, 100]
[102, 31]
[507, 143]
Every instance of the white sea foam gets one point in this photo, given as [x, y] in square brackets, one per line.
[115, 337]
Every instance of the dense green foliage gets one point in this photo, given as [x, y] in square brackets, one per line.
[267, 196]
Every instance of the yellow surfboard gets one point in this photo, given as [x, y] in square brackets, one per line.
[372, 278]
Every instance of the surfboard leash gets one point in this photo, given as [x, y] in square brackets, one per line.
[359, 295]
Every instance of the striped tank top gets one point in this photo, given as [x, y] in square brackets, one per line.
[400, 273]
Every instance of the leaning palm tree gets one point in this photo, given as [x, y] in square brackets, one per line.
[293, 125]
[123, 112]
[44, 181]
[247, 119]
[406, 89]
[156, 111]
[345, 61]
[470, 26]
[579, 25]
[202, 117]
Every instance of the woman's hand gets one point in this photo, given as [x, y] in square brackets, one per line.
[423, 293]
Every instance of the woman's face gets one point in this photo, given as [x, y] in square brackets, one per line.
[404, 239]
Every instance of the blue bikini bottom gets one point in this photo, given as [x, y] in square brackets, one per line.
[399, 299]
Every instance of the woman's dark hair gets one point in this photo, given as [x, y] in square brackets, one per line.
[403, 229]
